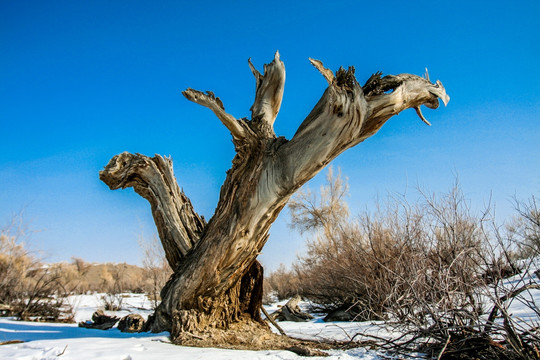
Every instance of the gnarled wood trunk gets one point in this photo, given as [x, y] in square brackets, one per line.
[217, 281]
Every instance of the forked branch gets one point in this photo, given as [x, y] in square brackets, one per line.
[347, 114]
[327, 73]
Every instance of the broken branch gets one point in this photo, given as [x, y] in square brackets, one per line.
[179, 226]
[214, 103]
[327, 73]
[268, 94]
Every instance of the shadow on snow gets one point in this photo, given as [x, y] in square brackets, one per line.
[29, 331]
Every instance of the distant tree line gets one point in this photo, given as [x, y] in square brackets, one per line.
[31, 289]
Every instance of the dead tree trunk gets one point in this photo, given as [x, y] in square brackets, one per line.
[217, 281]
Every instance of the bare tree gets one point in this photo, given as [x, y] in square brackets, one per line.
[525, 227]
[217, 281]
[155, 265]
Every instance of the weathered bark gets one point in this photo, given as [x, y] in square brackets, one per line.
[216, 280]
[131, 323]
[100, 321]
[291, 311]
[179, 226]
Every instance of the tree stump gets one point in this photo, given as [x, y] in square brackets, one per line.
[100, 321]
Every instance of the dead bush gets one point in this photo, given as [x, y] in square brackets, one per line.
[156, 268]
[114, 283]
[112, 301]
[402, 261]
[425, 268]
[28, 288]
[525, 228]
[281, 284]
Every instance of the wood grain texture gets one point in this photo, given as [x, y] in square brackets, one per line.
[179, 226]
[212, 261]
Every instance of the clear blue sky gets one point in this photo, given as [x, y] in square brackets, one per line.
[83, 81]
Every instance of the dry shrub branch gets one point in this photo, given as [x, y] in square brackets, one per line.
[28, 288]
[156, 268]
[427, 268]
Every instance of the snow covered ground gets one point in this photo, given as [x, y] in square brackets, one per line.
[68, 341]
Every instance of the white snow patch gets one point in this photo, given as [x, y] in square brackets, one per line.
[49, 341]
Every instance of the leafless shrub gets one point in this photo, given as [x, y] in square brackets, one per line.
[156, 268]
[324, 274]
[525, 227]
[426, 268]
[405, 261]
[281, 284]
[112, 301]
[114, 284]
[28, 288]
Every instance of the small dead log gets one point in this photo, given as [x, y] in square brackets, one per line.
[306, 351]
[291, 311]
[11, 342]
[131, 323]
[339, 315]
[100, 321]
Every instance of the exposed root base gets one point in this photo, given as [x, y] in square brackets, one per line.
[250, 335]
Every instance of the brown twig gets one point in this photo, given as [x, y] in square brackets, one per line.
[63, 351]
[272, 321]
[444, 348]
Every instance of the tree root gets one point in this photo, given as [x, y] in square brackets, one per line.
[249, 335]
